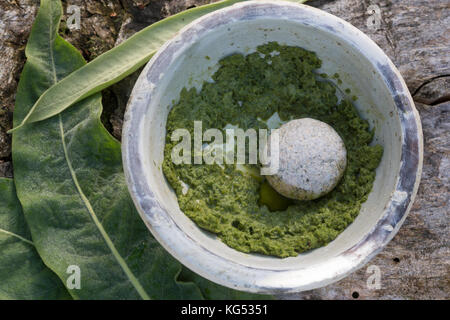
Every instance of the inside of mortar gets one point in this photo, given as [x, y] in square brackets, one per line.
[187, 67]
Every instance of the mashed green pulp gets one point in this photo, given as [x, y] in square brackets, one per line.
[226, 201]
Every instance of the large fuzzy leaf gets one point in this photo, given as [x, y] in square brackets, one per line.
[23, 275]
[69, 180]
[115, 64]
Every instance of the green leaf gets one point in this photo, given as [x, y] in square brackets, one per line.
[115, 64]
[70, 182]
[69, 179]
[23, 275]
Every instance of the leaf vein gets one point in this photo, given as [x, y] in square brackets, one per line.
[131, 277]
[16, 236]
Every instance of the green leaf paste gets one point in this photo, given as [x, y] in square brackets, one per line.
[226, 201]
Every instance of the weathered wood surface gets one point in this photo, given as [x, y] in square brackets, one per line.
[414, 33]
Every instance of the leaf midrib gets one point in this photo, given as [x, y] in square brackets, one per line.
[131, 277]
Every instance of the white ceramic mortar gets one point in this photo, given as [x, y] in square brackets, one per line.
[383, 99]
